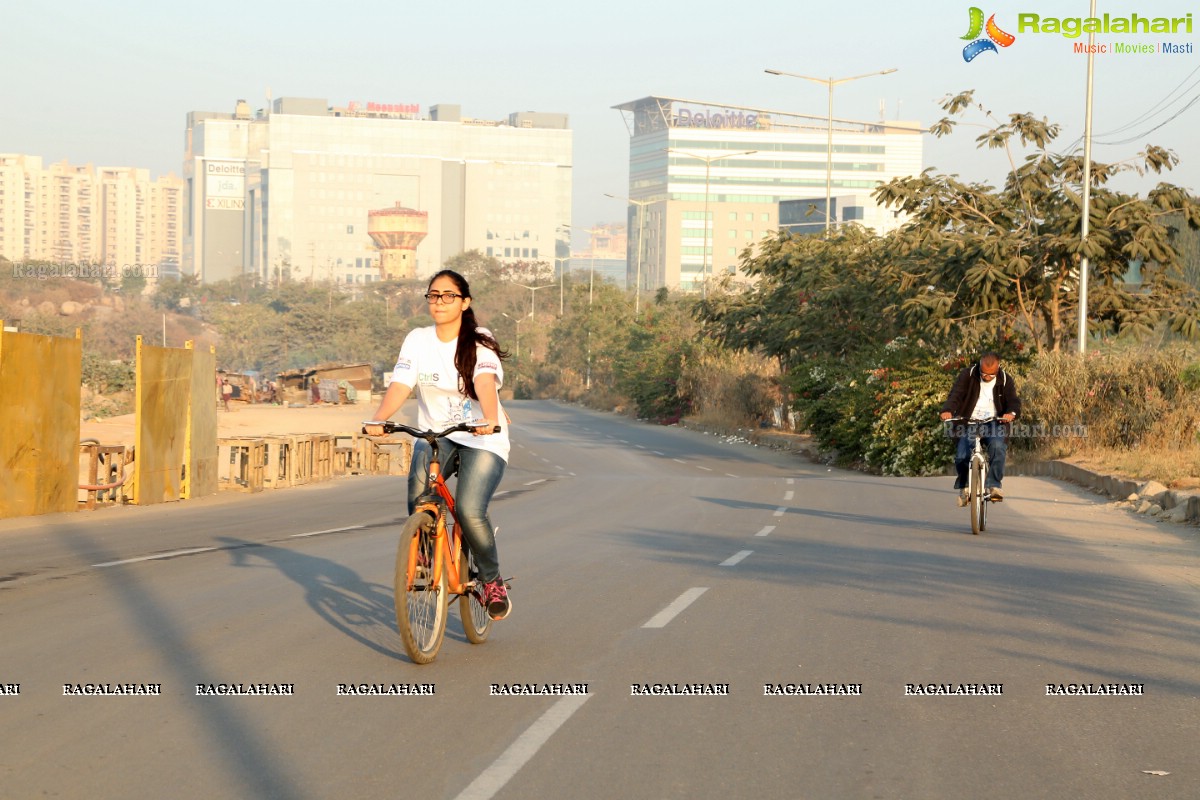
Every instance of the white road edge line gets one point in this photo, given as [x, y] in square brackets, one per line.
[669, 613]
[158, 556]
[766, 531]
[501, 771]
[331, 530]
[736, 558]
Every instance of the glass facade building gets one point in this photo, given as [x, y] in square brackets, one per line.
[711, 179]
[288, 192]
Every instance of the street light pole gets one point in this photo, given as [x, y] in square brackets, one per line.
[708, 160]
[517, 350]
[830, 83]
[561, 282]
[532, 294]
[641, 207]
[1086, 199]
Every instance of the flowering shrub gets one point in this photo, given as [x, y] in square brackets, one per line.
[879, 411]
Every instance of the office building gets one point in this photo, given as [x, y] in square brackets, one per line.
[287, 192]
[710, 179]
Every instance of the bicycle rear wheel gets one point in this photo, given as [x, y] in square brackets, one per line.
[977, 504]
[476, 622]
[421, 604]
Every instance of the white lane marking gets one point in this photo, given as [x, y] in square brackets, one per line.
[545, 461]
[779, 512]
[788, 495]
[791, 481]
[331, 530]
[669, 613]
[493, 779]
[657, 453]
[735, 558]
[572, 474]
[706, 469]
[535, 483]
[766, 531]
[730, 475]
[503, 491]
[158, 556]
[559, 467]
[622, 441]
[678, 460]
[640, 447]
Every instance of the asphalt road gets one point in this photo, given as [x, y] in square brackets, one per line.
[645, 560]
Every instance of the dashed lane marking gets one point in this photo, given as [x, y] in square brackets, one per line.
[766, 531]
[493, 779]
[669, 613]
[779, 512]
[736, 558]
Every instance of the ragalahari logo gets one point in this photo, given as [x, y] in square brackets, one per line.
[994, 37]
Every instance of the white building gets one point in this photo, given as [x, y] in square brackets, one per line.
[707, 179]
[288, 191]
[84, 215]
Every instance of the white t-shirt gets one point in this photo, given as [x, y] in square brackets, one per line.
[426, 364]
[985, 407]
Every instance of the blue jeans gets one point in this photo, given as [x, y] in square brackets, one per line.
[479, 473]
[994, 436]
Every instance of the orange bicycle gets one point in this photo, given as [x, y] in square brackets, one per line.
[433, 564]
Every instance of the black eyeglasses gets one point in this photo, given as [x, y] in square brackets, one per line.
[445, 298]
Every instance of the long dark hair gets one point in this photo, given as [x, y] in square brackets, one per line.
[469, 338]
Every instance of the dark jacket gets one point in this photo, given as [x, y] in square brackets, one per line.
[965, 393]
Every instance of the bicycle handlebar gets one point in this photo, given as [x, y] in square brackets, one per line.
[429, 436]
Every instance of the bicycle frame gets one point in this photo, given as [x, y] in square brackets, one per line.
[437, 500]
[448, 547]
[977, 470]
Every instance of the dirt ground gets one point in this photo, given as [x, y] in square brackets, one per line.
[249, 420]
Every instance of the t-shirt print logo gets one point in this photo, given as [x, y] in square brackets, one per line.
[994, 37]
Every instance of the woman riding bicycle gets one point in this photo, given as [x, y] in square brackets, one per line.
[982, 391]
[455, 366]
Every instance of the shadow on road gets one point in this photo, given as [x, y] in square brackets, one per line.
[362, 610]
[245, 753]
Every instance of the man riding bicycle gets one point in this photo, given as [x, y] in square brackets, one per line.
[981, 392]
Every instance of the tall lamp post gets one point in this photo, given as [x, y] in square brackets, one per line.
[533, 293]
[561, 281]
[641, 206]
[1086, 199]
[708, 161]
[517, 372]
[829, 82]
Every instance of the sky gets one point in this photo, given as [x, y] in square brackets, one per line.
[112, 83]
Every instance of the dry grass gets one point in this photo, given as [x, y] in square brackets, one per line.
[1179, 469]
[1139, 408]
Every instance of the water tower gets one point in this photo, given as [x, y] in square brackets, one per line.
[397, 232]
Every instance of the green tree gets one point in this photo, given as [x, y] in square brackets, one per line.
[980, 263]
[810, 296]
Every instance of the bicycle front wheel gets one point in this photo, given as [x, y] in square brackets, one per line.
[976, 480]
[476, 622]
[420, 595]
